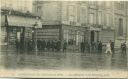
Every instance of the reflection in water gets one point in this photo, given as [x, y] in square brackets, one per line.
[59, 60]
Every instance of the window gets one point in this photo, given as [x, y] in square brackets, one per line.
[71, 12]
[120, 29]
[119, 5]
[100, 18]
[92, 3]
[38, 8]
[100, 3]
[108, 4]
[83, 15]
[108, 19]
[91, 16]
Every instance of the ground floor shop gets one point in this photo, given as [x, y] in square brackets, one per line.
[70, 34]
[105, 35]
[74, 35]
[15, 32]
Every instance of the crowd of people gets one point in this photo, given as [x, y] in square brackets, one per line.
[99, 47]
[43, 45]
[57, 45]
[91, 47]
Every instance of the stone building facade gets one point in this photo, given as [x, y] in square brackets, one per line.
[20, 5]
[17, 26]
[85, 20]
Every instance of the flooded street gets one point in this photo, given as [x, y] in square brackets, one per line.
[68, 60]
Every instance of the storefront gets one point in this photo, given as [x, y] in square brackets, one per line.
[73, 34]
[16, 28]
[106, 35]
[48, 32]
[94, 34]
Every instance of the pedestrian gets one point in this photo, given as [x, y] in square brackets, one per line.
[100, 47]
[58, 45]
[64, 46]
[81, 46]
[112, 47]
[86, 46]
[92, 46]
[108, 47]
[44, 45]
[38, 44]
[48, 45]
[17, 43]
[30, 45]
[123, 46]
[52, 45]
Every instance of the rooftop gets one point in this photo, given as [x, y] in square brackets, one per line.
[18, 13]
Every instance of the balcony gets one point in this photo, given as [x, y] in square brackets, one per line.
[51, 22]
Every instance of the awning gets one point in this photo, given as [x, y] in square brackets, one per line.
[22, 21]
[95, 29]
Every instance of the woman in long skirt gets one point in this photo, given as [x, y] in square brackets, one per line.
[108, 48]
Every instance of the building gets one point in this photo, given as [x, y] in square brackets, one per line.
[17, 26]
[84, 20]
[20, 5]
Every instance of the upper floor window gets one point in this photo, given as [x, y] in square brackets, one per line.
[38, 8]
[119, 5]
[83, 15]
[108, 4]
[71, 12]
[108, 19]
[91, 17]
[100, 3]
[99, 17]
[92, 2]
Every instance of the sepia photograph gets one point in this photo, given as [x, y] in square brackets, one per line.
[61, 35]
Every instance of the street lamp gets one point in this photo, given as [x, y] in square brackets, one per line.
[35, 36]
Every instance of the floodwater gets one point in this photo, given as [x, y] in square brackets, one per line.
[68, 60]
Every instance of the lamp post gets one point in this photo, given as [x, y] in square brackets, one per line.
[7, 29]
[35, 37]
